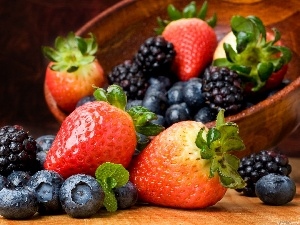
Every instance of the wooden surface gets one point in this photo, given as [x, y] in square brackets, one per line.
[232, 209]
[26, 25]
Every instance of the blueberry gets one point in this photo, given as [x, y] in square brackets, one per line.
[18, 178]
[155, 99]
[81, 196]
[126, 195]
[132, 103]
[83, 100]
[46, 185]
[44, 143]
[175, 95]
[176, 113]
[17, 203]
[205, 115]
[275, 189]
[192, 94]
[162, 81]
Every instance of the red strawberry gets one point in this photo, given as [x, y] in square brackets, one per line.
[193, 38]
[257, 55]
[98, 132]
[73, 70]
[187, 166]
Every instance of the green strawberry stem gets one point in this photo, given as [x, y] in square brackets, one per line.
[255, 59]
[111, 176]
[216, 147]
[71, 52]
[189, 11]
[141, 116]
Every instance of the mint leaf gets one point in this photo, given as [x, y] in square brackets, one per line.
[110, 176]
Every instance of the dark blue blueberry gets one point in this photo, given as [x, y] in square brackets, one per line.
[175, 95]
[44, 143]
[205, 115]
[275, 189]
[46, 185]
[155, 99]
[83, 100]
[192, 94]
[18, 178]
[143, 141]
[17, 203]
[126, 195]
[163, 81]
[81, 196]
[176, 113]
[132, 103]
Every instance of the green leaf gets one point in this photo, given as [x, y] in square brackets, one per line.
[220, 119]
[258, 24]
[82, 45]
[116, 96]
[100, 94]
[212, 22]
[110, 176]
[265, 70]
[173, 13]
[230, 53]
[240, 69]
[203, 11]
[190, 10]
[213, 134]
[220, 141]
[222, 62]
[142, 118]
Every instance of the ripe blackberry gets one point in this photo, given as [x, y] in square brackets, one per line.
[257, 165]
[155, 56]
[222, 89]
[17, 150]
[130, 78]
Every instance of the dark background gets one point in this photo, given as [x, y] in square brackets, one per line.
[26, 25]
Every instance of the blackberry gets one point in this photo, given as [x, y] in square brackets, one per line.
[155, 56]
[130, 78]
[257, 165]
[17, 150]
[222, 89]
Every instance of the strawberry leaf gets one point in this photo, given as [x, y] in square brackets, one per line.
[110, 176]
[142, 118]
[71, 52]
[189, 11]
[219, 141]
[255, 59]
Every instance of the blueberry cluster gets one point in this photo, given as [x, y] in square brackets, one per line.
[47, 193]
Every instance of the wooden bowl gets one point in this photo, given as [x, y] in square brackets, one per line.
[121, 29]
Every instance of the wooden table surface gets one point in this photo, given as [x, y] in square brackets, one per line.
[27, 25]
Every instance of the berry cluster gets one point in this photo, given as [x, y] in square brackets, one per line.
[258, 165]
[26, 190]
[46, 192]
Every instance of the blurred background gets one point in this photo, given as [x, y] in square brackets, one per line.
[26, 25]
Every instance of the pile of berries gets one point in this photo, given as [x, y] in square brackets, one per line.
[254, 167]
[27, 190]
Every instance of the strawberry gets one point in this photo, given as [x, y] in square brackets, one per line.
[98, 132]
[72, 70]
[256, 55]
[193, 38]
[188, 166]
